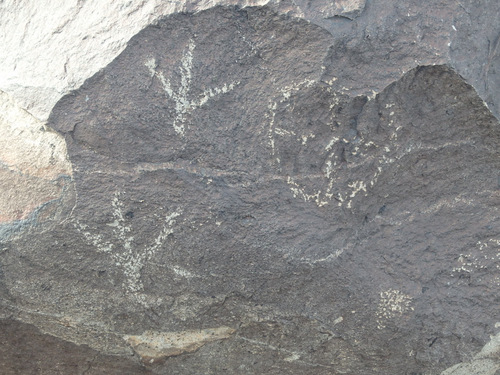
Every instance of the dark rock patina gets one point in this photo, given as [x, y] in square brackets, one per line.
[232, 172]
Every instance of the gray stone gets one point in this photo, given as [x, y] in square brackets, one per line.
[254, 193]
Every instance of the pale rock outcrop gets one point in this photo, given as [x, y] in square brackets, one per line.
[486, 362]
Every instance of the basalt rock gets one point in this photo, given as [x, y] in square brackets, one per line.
[281, 189]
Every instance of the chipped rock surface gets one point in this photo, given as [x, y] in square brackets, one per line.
[156, 346]
[266, 187]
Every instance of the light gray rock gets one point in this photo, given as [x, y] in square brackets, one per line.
[484, 363]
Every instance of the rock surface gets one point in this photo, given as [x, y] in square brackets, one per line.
[155, 347]
[25, 350]
[303, 187]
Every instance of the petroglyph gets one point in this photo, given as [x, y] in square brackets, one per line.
[332, 188]
[283, 96]
[128, 255]
[485, 255]
[184, 105]
[343, 148]
[392, 304]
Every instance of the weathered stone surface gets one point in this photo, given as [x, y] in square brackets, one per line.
[484, 363]
[325, 192]
[42, 61]
[34, 169]
[157, 346]
[25, 350]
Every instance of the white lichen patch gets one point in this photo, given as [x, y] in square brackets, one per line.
[392, 304]
[184, 103]
[372, 95]
[182, 272]
[331, 81]
[153, 346]
[328, 168]
[334, 255]
[125, 253]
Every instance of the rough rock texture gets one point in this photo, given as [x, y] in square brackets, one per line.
[34, 168]
[25, 350]
[154, 347]
[43, 60]
[285, 189]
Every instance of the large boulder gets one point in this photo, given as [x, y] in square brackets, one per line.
[286, 188]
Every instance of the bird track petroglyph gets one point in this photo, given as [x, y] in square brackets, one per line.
[332, 164]
[127, 255]
[184, 105]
